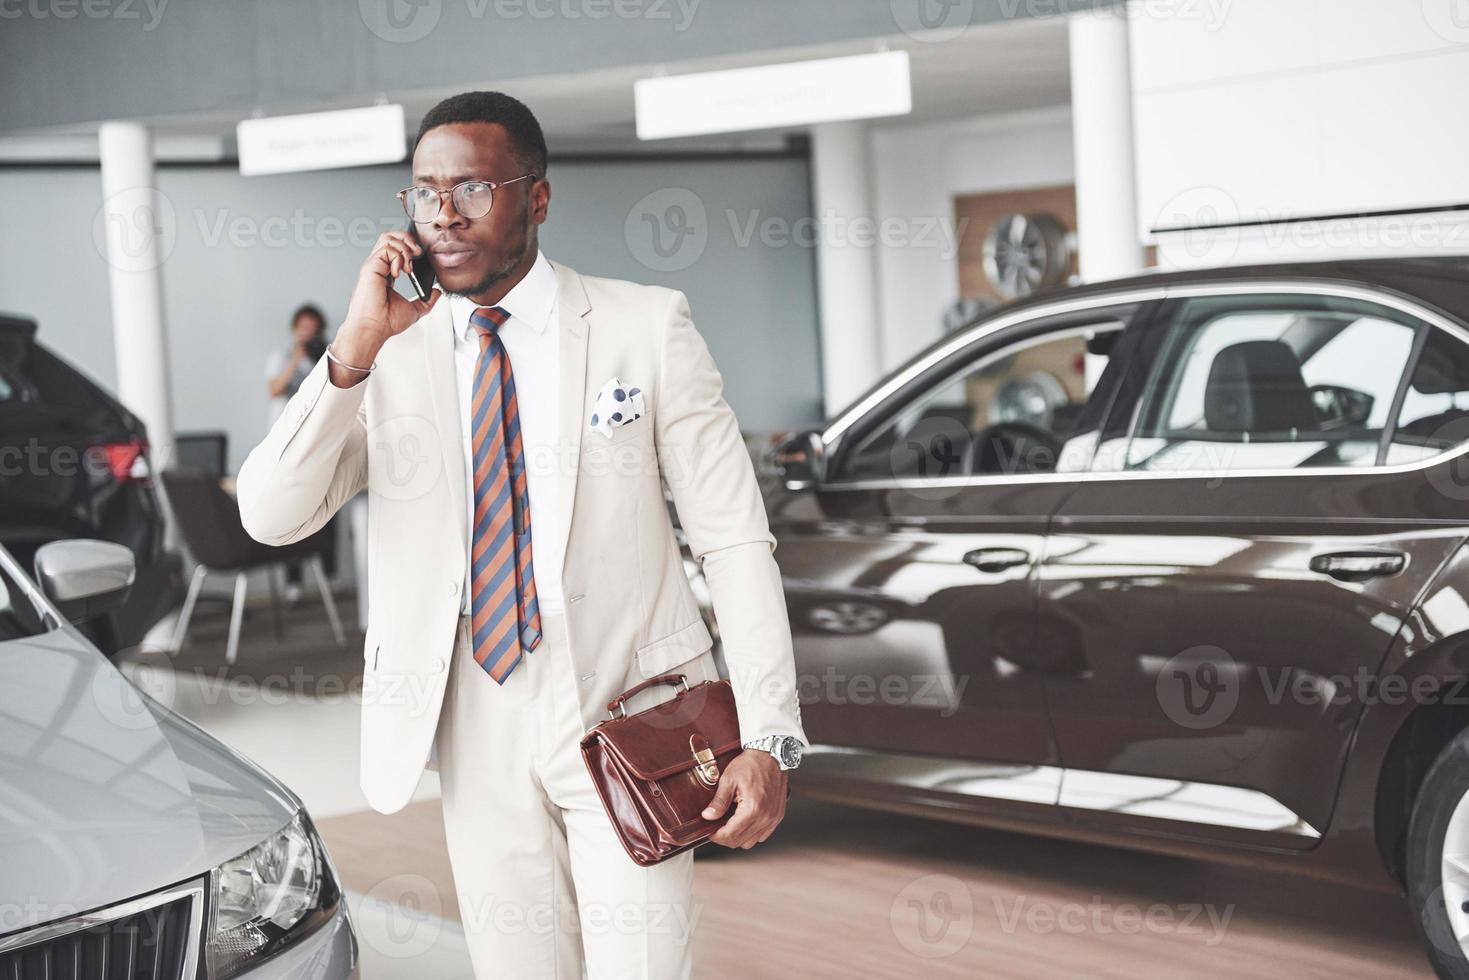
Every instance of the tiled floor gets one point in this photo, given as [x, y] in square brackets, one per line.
[836, 893]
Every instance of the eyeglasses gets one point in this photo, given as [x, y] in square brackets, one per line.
[472, 199]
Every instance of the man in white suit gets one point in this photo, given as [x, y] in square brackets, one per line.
[522, 565]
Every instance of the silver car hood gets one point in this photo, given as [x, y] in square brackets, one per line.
[104, 793]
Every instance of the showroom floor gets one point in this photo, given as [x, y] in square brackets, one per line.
[837, 891]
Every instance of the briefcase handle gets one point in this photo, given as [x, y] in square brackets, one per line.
[617, 709]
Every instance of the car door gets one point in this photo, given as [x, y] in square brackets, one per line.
[1231, 571]
[909, 569]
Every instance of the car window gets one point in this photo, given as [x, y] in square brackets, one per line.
[32, 379]
[1271, 382]
[1435, 412]
[1021, 409]
[19, 616]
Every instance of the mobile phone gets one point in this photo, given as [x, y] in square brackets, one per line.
[420, 271]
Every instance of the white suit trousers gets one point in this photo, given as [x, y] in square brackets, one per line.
[545, 888]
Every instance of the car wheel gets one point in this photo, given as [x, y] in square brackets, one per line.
[847, 617]
[1438, 860]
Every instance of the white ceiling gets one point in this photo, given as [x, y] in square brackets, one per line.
[984, 71]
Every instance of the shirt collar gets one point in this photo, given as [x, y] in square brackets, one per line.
[528, 301]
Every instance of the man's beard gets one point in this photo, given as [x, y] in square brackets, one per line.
[495, 275]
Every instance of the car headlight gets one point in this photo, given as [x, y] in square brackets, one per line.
[269, 897]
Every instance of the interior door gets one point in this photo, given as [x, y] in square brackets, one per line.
[1233, 569]
[910, 570]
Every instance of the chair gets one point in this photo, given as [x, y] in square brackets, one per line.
[208, 451]
[209, 520]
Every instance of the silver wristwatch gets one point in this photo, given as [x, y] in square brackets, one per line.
[785, 748]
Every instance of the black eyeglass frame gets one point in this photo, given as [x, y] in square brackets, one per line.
[493, 186]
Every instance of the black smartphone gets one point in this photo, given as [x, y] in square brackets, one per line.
[421, 271]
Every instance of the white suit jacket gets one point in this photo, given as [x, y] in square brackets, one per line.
[630, 612]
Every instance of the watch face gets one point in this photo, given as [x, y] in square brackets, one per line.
[790, 753]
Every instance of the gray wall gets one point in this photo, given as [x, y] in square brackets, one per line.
[244, 252]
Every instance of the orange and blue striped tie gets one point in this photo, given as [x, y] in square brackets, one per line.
[506, 617]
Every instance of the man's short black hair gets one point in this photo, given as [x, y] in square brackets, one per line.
[493, 107]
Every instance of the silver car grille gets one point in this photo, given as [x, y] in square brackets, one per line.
[151, 938]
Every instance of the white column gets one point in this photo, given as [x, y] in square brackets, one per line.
[846, 262]
[138, 225]
[1107, 239]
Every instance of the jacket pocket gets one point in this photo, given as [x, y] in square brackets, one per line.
[628, 431]
[682, 645]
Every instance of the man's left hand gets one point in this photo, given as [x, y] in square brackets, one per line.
[756, 786]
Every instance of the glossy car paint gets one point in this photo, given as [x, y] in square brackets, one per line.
[1061, 658]
[109, 796]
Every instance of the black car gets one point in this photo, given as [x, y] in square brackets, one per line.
[74, 464]
[1176, 562]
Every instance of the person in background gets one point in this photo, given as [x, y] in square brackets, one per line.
[285, 369]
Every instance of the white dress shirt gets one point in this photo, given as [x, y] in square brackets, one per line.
[533, 344]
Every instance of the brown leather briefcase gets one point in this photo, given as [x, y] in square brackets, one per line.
[657, 770]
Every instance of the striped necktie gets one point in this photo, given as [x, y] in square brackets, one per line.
[506, 616]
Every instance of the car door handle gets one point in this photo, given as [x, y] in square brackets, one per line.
[996, 559]
[1357, 566]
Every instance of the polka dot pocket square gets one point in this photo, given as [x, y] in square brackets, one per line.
[618, 403]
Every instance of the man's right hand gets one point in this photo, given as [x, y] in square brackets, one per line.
[377, 311]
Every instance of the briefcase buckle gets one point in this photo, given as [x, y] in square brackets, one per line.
[706, 769]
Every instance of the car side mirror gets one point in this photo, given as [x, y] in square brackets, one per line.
[84, 578]
[801, 460]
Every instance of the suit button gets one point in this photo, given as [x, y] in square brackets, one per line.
[454, 587]
[438, 665]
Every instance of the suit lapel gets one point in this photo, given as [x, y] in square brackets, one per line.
[438, 350]
[572, 308]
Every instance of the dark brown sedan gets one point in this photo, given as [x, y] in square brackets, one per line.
[1174, 562]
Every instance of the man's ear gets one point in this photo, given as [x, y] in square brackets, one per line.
[540, 201]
